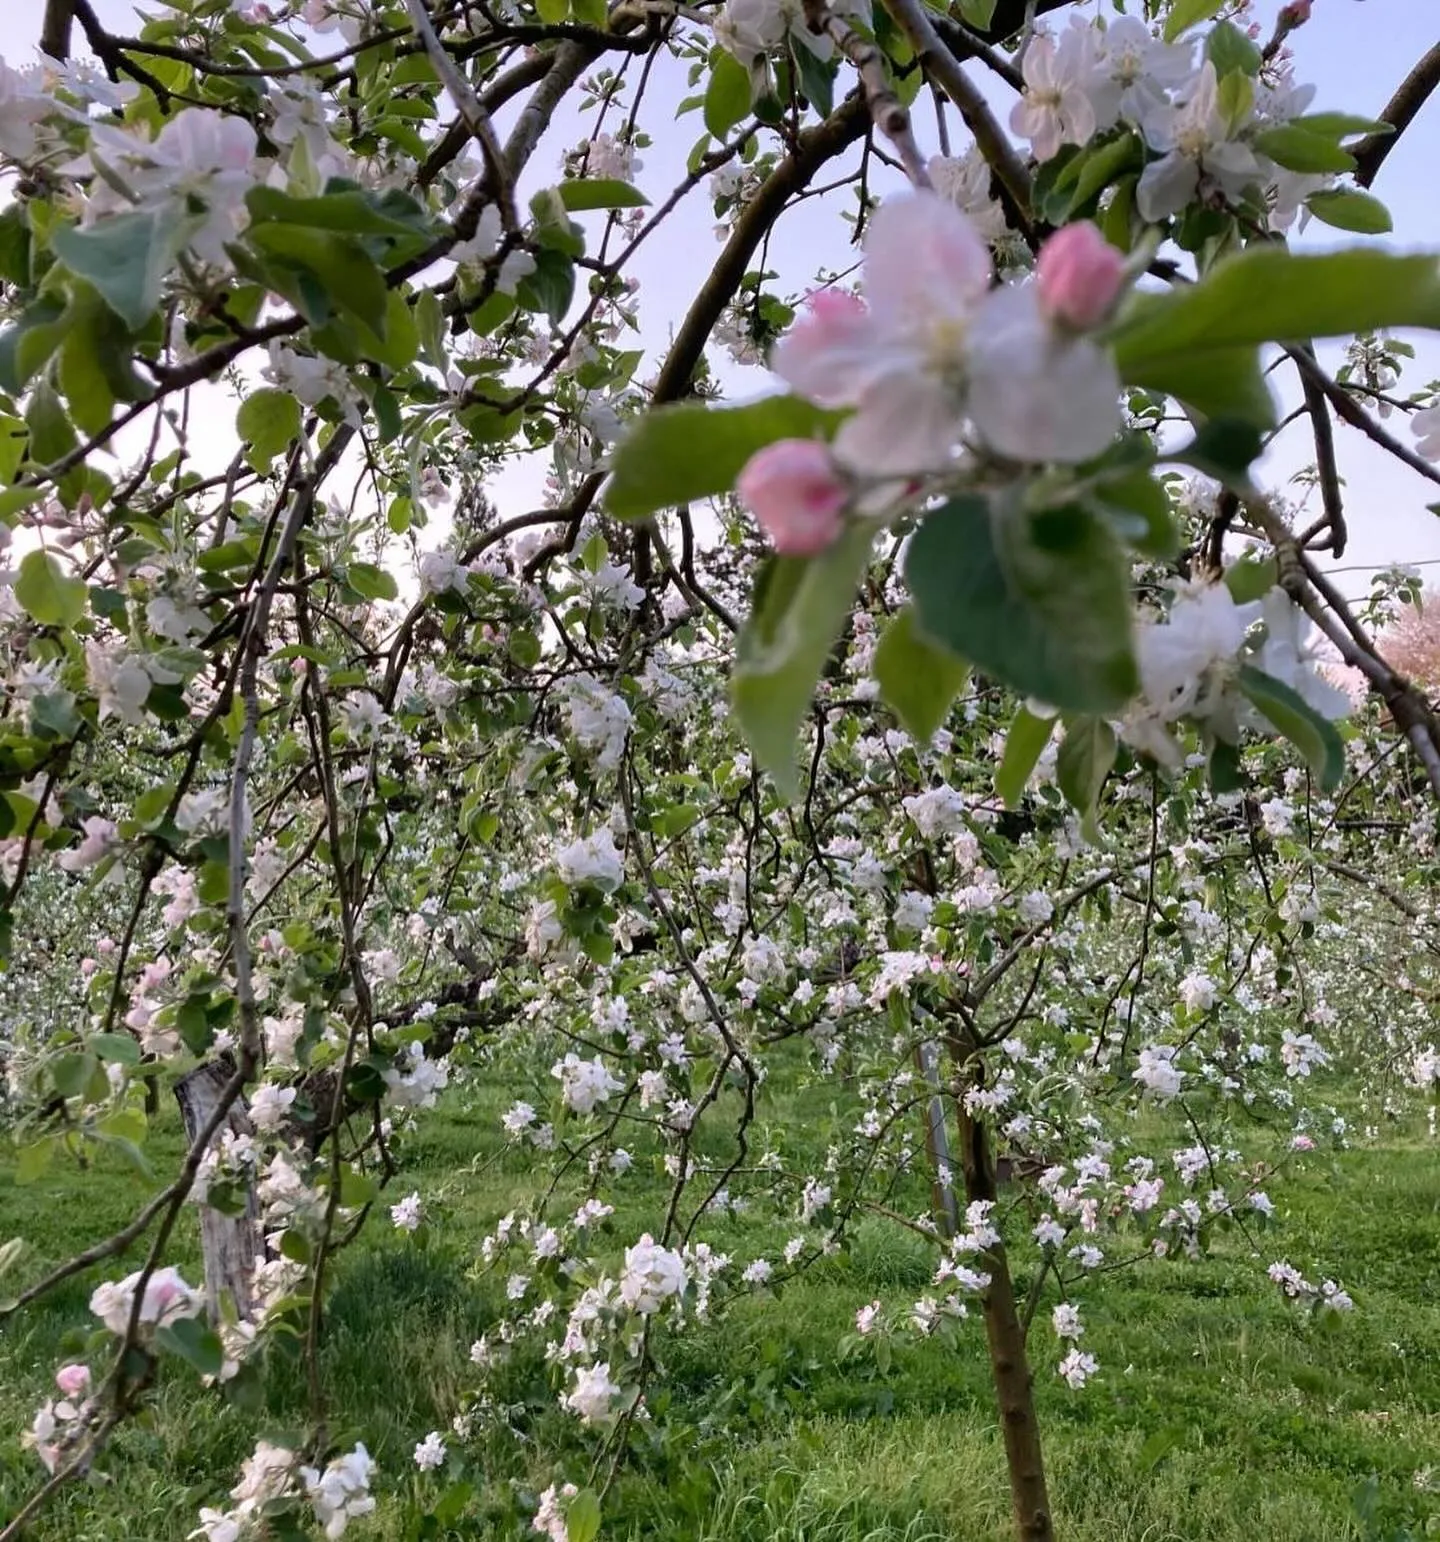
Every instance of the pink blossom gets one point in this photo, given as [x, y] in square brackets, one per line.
[797, 495]
[1079, 274]
[73, 1380]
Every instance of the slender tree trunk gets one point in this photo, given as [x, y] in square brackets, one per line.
[229, 1244]
[1009, 1366]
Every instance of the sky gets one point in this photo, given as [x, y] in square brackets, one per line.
[1354, 51]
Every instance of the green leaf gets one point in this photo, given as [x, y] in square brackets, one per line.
[84, 381]
[1342, 125]
[582, 1517]
[1350, 209]
[52, 435]
[26, 345]
[1092, 172]
[355, 213]
[675, 820]
[192, 1340]
[70, 1072]
[978, 13]
[126, 258]
[918, 680]
[1296, 150]
[1223, 448]
[583, 193]
[727, 93]
[1225, 382]
[127, 1124]
[1251, 578]
[1314, 736]
[32, 1162]
[371, 582]
[1024, 745]
[551, 287]
[1231, 52]
[117, 1047]
[817, 83]
[799, 608]
[14, 499]
[268, 421]
[1086, 756]
[1136, 508]
[357, 1189]
[53, 715]
[1185, 13]
[1263, 295]
[1040, 601]
[48, 594]
[678, 454]
[343, 271]
[15, 246]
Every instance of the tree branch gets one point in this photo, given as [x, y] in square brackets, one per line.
[1400, 112]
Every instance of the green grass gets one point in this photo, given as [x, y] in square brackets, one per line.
[1221, 1415]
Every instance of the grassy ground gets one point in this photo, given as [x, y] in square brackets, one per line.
[1222, 1415]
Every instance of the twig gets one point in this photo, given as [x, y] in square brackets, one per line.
[477, 120]
[887, 112]
[913, 20]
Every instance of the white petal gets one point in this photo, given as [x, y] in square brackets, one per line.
[906, 424]
[923, 260]
[1166, 186]
[1034, 395]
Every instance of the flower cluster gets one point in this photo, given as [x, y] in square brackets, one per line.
[1200, 139]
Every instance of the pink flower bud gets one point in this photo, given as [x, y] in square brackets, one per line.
[1079, 274]
[1296, 13]
[796, 494]
[72, 1380]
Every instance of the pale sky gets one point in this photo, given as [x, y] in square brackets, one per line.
[1354, 51]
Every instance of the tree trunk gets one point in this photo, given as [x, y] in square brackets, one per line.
[1009, 1367]
[229, 1244]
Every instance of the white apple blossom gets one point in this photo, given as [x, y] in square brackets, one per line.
[652, 1275]
[1055, 107]
[1426, 428]
[594, 859]
[1158, 1072]
[430, 1453]
[1198, 991]
[270, 1106]
[1196, 143]
[1077, 1368]
[1133, 72]
[584, 1084]
[936, 356]
[166, 1299]
[594, 1395]
[341, 1493]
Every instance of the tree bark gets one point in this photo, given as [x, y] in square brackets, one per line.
[1009, 1365]
[229, 1245]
